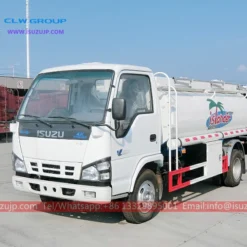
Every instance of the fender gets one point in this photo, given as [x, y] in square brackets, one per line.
[228, 147]
[157, 158]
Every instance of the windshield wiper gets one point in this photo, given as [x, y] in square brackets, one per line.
[38, 118]
[72, 120]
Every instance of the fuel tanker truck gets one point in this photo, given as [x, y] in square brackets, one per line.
[98, 133]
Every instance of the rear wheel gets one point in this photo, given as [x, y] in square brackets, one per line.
[141, 201]
[234, 174]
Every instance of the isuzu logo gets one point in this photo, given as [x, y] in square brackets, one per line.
[50, 134]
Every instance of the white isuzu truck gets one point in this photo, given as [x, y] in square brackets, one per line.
[103, 132]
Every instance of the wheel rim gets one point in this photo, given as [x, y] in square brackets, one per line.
[146, 197]
[237, 168]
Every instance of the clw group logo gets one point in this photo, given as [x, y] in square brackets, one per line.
[218, 116]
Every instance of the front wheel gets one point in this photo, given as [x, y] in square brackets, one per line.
[141, 201]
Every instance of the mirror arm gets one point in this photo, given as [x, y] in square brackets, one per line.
[110, 126]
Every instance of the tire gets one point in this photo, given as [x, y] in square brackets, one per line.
[234, 174]
[147, 179]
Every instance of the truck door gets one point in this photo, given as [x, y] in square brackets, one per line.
[139, 134]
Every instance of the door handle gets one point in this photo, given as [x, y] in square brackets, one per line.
[152, 138]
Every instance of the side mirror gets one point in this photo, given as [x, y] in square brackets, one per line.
[118, 109]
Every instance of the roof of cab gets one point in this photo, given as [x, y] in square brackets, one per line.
[87, 66]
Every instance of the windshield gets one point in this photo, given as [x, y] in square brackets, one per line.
[81, 95]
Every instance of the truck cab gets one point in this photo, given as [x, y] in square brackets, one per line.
[86, 132]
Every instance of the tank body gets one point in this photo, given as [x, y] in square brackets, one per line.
[200, 113]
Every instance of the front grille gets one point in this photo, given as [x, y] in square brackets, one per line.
[63, 170]
[50, 166]
[56, 169]
[51, 169]
[34, 166]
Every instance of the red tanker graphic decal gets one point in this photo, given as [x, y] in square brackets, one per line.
[219, 117]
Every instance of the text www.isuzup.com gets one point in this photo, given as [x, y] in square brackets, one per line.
[35, 31]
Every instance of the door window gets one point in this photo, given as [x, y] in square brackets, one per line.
[136, 90]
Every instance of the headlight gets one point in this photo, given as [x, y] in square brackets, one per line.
[90, 173]
[18, 164]
[99, 171]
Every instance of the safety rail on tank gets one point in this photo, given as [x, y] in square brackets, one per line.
[169, 141]
[214, 86]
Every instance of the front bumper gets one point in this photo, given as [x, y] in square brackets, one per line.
[58, 190]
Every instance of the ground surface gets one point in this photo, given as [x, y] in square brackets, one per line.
[104, 229]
